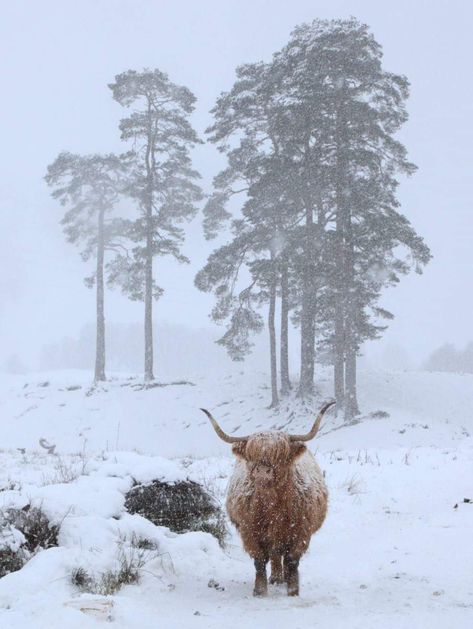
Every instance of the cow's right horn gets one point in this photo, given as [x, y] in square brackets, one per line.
[313, 431]
[219, 431]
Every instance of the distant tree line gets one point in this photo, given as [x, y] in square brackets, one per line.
[306, 206]
[450, 359]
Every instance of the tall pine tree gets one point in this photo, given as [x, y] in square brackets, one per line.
[342, 111]
[245, 128]
[162, 182]
[310, 141]
[89, 187]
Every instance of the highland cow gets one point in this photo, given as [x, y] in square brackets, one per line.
[277, 499]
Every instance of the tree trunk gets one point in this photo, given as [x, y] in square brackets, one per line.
[149, 375]
[272, 341]
[285, 381]
[150, 165]
[311, 339]
[351, 402]
[304, 379]
[100, 339]
[339, 356]
[306, 384]
[342, 219]
[149, 160]
[339, 382]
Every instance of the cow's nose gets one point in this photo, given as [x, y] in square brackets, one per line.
[266, 471]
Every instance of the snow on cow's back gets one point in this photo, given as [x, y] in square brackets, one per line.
[239, 483]
[308, 474]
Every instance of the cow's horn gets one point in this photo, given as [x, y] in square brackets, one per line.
[219, 431]
[311, 434]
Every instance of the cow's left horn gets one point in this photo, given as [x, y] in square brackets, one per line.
[311, 434]
[219, 431]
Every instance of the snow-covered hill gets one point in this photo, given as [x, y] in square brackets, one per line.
[394, 552]
[425, 409]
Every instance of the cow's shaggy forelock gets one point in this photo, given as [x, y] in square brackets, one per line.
[269, 448]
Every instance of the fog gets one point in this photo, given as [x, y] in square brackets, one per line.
[57, 58]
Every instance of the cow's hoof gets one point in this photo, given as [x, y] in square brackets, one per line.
[276, 579]
[260, 592]
[293, 592]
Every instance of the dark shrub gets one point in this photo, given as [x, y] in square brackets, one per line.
[39, 534]
[182, 507]
[35, 526]
[11, 560]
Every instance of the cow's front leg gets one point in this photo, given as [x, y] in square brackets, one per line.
[261, 581]
[276, 570]
[291, 574]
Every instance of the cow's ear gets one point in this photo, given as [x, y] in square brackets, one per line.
[297, 450]
[238, 449]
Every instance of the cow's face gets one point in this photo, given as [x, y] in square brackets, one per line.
[268, 456]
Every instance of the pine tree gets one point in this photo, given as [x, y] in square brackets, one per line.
[310, 141]
[90, 187]
[246, 129]
[251, 254]
[343, 110]
[161, 183]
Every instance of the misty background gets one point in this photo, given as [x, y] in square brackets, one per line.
[57, 59]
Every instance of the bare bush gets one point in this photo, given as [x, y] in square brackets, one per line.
[131, 558]
[353, 485]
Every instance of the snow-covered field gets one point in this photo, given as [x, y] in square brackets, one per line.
[393, 553]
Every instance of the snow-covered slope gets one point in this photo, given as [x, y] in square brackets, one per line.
[424, 408]
[393, 553]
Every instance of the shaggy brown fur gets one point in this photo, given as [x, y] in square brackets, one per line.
[277, 499]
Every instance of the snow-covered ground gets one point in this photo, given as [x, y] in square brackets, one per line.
[394, 551]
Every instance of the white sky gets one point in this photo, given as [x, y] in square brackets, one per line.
[56, 59]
